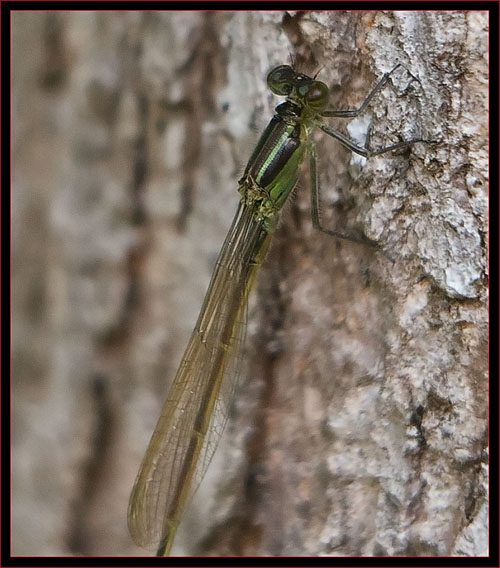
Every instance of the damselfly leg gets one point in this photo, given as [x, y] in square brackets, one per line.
[364, 151]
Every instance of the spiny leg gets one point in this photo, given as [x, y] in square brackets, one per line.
[355, 112]
[315, 189]
[365, 152]
[362, 151]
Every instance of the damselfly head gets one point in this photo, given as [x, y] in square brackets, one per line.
[299, 88]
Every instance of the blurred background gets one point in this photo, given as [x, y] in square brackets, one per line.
[360, 424]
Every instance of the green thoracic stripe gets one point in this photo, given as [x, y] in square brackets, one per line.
[283, 138]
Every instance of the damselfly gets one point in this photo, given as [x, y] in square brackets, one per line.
[196, 409]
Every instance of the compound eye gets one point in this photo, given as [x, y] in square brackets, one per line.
[280, 80]
[317, 96]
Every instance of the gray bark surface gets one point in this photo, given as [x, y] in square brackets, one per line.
[360, 424]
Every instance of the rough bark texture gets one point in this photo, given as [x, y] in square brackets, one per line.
[360, 424]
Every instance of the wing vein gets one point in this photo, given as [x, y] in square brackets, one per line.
[196, 410]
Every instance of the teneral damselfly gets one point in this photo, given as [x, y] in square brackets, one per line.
[196, 409]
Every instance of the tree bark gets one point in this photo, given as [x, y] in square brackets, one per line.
[360, 424]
